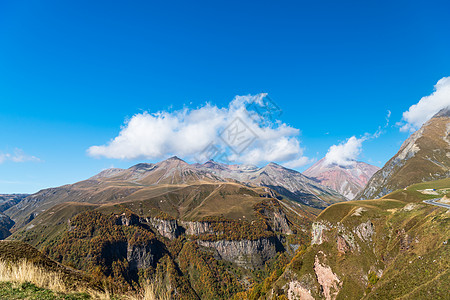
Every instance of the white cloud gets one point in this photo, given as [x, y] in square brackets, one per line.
[17, 156]
[345, 153]
[188, 132]
[427, 107]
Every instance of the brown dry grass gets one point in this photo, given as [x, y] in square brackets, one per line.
[25, 271]
[28, 272]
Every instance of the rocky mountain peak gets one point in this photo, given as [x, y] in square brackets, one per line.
[445, 112]
[424, 156]
[175, 158]
[173, 161]
[211, 164]
[348, 180]
[142, 166]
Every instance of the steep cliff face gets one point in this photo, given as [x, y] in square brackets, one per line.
[198, 228]
[141, 256]
[245, 253]
[167, 228]
[424, 156]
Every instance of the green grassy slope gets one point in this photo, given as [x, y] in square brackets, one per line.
[391, 248]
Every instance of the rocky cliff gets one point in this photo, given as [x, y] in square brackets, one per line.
[245, 253]
[424, 156]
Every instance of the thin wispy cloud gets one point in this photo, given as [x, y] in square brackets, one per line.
[188, 132]
[18, 156]
[427, 107]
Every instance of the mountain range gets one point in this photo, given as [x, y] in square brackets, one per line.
[218, 231]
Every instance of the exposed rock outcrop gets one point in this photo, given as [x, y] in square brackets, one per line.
[342, 245]
[328, 280]
[245, 253]
[197, 228]
[317, 232]
[141, 256]
[127, 219]
[365, 231]
[424, 156]
[297, 291]
[167, 228]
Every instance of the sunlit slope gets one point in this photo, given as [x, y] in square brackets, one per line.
[395, 247]
[424, 156]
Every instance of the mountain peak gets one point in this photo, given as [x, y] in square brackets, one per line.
[213, 165]
[424, 156]
[140, 166]
[445, 112]
[175, 158]
[273, 165]
[347, 180]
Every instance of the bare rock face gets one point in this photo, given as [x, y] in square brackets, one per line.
[128, 219]
[280, 223]
[424, 156]
[342, 245]
[140, 256]
[295, 291]
[245, 253]
[328, 280]
[172, 229]
[365, 231]
[167, 228]
[317, 232]
[348, 180]
[197, 228]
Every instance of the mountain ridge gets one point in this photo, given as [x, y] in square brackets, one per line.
[424, 156]
[346, 180]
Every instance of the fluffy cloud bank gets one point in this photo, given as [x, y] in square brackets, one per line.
[190, 132]
[346, 152]
[17, 156]
[427, 107]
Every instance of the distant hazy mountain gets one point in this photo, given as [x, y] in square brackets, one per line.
[424, 156]
[346, 180]
[9, 200]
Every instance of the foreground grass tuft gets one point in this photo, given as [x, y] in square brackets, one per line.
[24, 280]
[27, 290]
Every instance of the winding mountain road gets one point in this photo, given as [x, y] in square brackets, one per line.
[433, 202]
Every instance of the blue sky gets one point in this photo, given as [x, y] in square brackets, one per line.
[72, 73]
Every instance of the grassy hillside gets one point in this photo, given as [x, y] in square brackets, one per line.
[391, 248]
